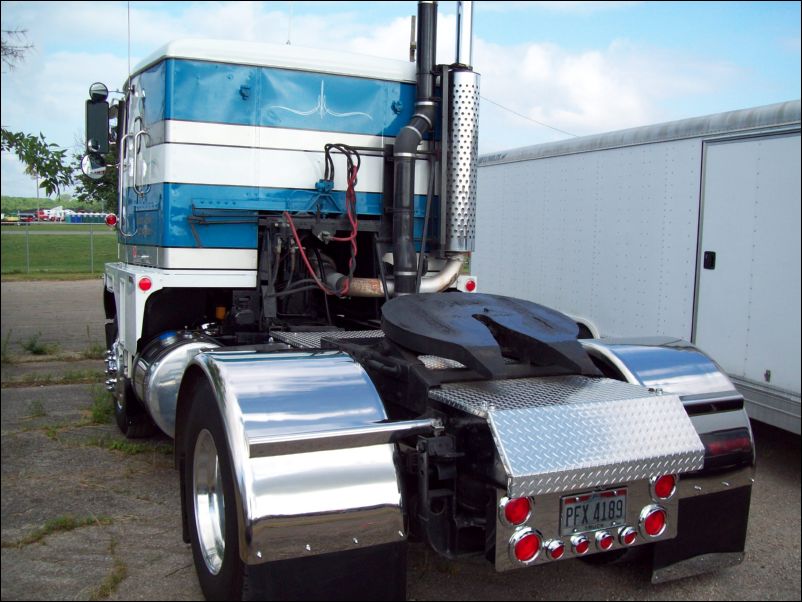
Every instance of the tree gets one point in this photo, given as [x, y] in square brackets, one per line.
[39, 157]
[12, 53]
[102, 193]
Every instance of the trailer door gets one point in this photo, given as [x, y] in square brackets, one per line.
[748, 288]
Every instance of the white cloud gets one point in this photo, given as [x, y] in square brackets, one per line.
[621, 86]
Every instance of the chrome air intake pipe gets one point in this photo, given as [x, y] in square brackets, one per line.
[406, 145]
[460, 146]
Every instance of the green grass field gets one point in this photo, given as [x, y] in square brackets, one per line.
[55, 253]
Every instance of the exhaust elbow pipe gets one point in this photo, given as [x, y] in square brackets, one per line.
[373, 287]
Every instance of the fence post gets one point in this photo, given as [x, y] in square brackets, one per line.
[27, 248]
[91, 248]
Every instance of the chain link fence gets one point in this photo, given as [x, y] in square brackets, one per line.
[32, 248]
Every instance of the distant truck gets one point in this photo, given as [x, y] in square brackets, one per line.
[687, 229]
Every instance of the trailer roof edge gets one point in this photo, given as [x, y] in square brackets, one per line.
[783, 115]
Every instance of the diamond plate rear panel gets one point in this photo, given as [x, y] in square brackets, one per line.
[567, 433]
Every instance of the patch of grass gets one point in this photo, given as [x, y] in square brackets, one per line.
[52, 432]
[119, 571]
[102, 409]
[35, 347]
[60, 524]
[36, 409]
[6, 355]
[94, 350]
[130, 448]
[71, 377]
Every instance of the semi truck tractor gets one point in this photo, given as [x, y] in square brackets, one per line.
[293, 305]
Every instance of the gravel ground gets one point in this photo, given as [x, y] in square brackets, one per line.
[55, 463]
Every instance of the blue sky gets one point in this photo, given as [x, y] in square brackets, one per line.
[582, 67]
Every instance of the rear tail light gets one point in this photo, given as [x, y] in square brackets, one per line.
[516, 511]
[724, 449]
[111, 220]
[664, 487]
[627, 536]
[525, 545]
[580, 544]
[652, 521]
[604, 541]
[555, 549]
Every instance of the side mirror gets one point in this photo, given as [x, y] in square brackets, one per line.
[97, 119]
[93, 166]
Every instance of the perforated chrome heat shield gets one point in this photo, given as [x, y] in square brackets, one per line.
[463, 147]
[568, 433]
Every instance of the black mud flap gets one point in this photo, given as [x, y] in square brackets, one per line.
[375, 573]
[711, 536]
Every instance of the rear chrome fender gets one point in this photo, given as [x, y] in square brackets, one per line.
[334, 497]
[713, 502]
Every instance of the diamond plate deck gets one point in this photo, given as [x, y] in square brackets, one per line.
[311, 340]
[566, 433]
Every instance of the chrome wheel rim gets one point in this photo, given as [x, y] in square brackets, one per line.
[210, 515]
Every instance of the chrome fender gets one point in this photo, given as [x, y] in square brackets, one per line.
[344, 492]
[716, 499]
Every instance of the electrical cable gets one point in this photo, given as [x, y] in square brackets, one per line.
[353, 162]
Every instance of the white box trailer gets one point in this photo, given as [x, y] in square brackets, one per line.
[688, 229]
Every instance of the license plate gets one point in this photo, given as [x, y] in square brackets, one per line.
[593, 511]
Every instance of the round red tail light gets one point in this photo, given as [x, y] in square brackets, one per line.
[516, 510]
[111, 220]
[145, 284]
[580, 544]
[525, 545]
[627, 536]
[665, 486]
[555, 549]
[604, 541]
[653, 521]
[470, 286]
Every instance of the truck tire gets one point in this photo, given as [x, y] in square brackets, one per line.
[210, 502]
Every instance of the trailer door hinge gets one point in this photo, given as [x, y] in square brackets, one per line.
[709, 261]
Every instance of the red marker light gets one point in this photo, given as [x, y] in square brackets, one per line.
[111, 220]
[580, 544]
[665, 486]
[470, 286]
[604, 540]
[526, 545]
[653, 521]
[517, 510]
[145, 284]
[555, 549]
[627, 536]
